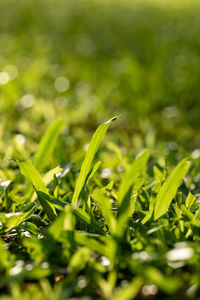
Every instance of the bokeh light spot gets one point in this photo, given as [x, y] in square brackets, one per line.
[27, 101]
[4, 78]
[62, 84]
[12, 71]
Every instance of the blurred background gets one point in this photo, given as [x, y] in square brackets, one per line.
[86, 61]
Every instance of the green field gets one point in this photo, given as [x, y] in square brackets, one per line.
[83, 216]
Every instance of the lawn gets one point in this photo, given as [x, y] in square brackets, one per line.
[99, 149]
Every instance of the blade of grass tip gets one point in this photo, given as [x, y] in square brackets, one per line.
[131, 175]
[92, 149]
[169, 188]
[48, 144]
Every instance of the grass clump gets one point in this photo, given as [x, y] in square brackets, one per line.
[133, 231]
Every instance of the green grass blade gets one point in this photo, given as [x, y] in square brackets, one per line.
[166, 283]
[47, 205]
[5, 256]
[150, 212]
[105, 206]
[87, 219]
[132, 174]
[91, 243]
[125, 214]
[169, 188]
[130, 291]
[30, 172]
[47, 144]
[12, 220]
[47, 178]
[190, 200]
[93, 171]
[86, 166]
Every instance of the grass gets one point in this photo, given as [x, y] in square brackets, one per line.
[113, 238]
[91, 209]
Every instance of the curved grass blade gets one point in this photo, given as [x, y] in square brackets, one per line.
[91, 243]
[45, 201]
[130, 291]
[93, 171]
[12, 220]
[47, 144]
[169, 188]
[86, 166]
[47, 178]
[87, 219]
[30, 172]
[132, 174]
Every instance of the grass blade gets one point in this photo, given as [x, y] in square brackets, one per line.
[86, 166]
[47, 178]
[169, 188]
[130, 291]
[189, 200]
[87, 219]
[5, 256]
[47, 206]
[30, 172]
[93, 171]
[132, 174]
[105, 206]
[91, 243]
[47, 144]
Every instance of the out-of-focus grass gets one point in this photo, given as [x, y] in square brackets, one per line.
[138, 58]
